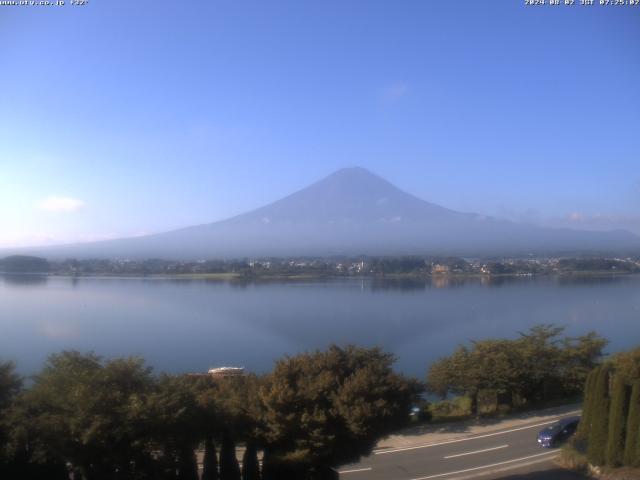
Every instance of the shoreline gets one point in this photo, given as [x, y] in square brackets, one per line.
[228, 276]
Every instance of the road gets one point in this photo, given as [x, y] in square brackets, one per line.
[506, 450]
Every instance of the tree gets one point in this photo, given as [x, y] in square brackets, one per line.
[455, 374]
[631, 455]
[627, 365]
[10, 385]
[173, 420]
[584, 426]
[443, 377]
[80, 410]
[597, 441]
[229, 468]
[579, 356]
[210, 461]
[495, 366]
[187, 465]
[540, 361]
[328, 408]
[538, 366]
[489, 365]
[233, 404]
[24, 264]
[250, 465]
[617, 422]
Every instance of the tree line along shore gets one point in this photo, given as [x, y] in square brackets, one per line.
[305, 267]
[92, 418]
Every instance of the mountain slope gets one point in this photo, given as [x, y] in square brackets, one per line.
[352, 211]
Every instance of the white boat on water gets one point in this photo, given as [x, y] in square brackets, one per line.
[226, 371]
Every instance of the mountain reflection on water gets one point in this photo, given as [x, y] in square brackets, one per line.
[191, 324]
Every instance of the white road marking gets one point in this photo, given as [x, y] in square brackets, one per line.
[466, 439]
[355, 470]
[477, 451]
[485, 466]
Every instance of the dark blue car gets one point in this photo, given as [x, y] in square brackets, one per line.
[559, 432]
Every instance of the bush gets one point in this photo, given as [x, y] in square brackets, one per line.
[573, 459]
[447, 409]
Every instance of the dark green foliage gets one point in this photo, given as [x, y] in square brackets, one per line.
[597, 442]
[538, 366]
[579, 356]
[595, 265]
[187, 466]
[328, 408]
[24, 264]
[229, 468]
[250, 465]
[268, 467]
[627, 365]
[390, 265]
[82, 410]
[10, 384]
[584, 426]
[632, 443]
[210, 461]
[610, 424]
[237, 405]
[172, 418]
[540, 362]
[324, 473]
[617, 422]
[114, 420]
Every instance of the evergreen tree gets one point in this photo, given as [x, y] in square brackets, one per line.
[597, 441]
[267, 466]
[617, 420]
[587, 406]
[210, 462]
[631, 456]
[250, 465]
[187, 465]
[229, 468]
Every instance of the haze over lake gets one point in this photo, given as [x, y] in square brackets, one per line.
[190, 325]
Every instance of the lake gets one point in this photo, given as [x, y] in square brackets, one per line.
[190, 325]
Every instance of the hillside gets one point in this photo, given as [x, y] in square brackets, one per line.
[352, 211]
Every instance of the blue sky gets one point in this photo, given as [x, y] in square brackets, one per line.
[121, 118]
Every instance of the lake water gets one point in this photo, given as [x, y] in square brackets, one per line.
[190, 325]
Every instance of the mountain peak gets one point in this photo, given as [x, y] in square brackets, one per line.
[348, 195]
[354, 181]
[351, 211]
[352, 172]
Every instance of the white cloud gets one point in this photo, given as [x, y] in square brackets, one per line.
[57, 204]
[394, 92]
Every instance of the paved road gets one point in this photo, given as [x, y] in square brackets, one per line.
[478, 455]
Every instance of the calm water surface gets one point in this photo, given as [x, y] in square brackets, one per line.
[190, 325]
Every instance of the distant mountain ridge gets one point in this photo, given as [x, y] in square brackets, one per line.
[351, 212]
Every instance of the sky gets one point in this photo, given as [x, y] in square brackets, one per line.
[121, 118]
